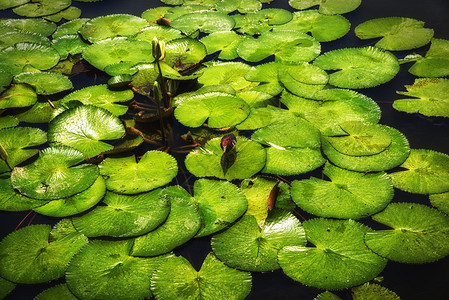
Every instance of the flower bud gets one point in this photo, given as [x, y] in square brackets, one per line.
[157, 93]
[158, 49]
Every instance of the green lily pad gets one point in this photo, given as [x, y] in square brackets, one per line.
[435, 63]
[126, 176]
[15, 140]
[154, 14]
[14, 59]
[38, 253]
[184, 53]
[323, 28]
[69, 28]
[5, 4]
[101, 96]
[391, 157]
[52, 175]
[427, 173]
[105, 269]
[243, 6]
[36, 25]
[348, 195]
[224, 41]
[8, 121]
[327, 7]
[60, 291]
[116, 50]
[248, 247]
[440, 201]
[303, 80]
[268, 76]
[124, 215]
[175, 278]
[359, 67]
[69, 44]
[429, 97]
[221, 88]
[419, 233]
[373, 291]
[204, 21]
[340, 250]
[69, 13]
[219, 109]
[40, 112]
[285, 45]
[333, 107]
[327, 296]
[178, 11]
[206, 161]
[274, 16]
[39, 8]
[45, 83]
[18, 95]
[250, 23]
[111, 26]
[181, 225]
[231, 73]
[75, 204]
[11, 38]
[397, 33]
[84, 128]
[162, 33]
[6, 287]
[5, 80]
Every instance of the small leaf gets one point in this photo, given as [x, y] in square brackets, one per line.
[45, 83]
[436, 61]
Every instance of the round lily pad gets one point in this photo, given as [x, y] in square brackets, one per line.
[181, 225]
[69, 28]
[327, 7]
[153, 14]
[207, 160]
[219, 109]
[219, 204]
[440, 201]
[292, 160]
[110, 26]
[45, 83]
[39, 8]
[243, 6]
[359, 67]
[427, 173]
[436, 61]
[69, 13]
[75, 204]
[18, 95]
[116, 50]
[372, 290]
[419, 233]
[60, 291]
[36, 25]
[5, 80]
[126, 176]
[10, 200]
[105, 269]
[69, 44]
[248, 247]
[285, 45]
[53, 175]
[124, 215]
[398, 33]
[38, 253]
[204, 21]
[8, 121]
[348, 195]
[340, 250]
[391, 157]
[5, 4]
[11, 38]
[224, 41]
[250, 23]
[40, 112]
[84, 127]
[175, 278]
[184, 53]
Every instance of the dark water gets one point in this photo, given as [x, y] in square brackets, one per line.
[409, 281]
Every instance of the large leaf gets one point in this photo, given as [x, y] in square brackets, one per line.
[69, 28]
[419, 233]
[243, 6]
[18, 95]
[69, 44]
[224, 41]
[45, 83]
[11, 200]
[184, 53]
[328, 7]
[204, 21]
[36, 25]
[60, 291]
[11, 38]
[436, 61]
[39, 8]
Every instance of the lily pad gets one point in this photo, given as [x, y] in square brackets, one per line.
[69, 44]
[18, 95]
[40, 112]
[285, 45]
[359, 67]
[6, 287]
[419, 233]
[427, 173]
[74, 204]
[327, 7]
[204, 21]
[231, 73]
[116, 50]
[5, 80]
[39, 8]
[162, 33]
[60, 291]
[219, 109]
[110, 270]
[250, 23]
[349, 195]
[53, 175]
[440, 201]
[181, 225]
[184, 53]
[224, 41]
[429, 97]
[8, 121]
[126, 176]
[340, 250]
[323, 28]
[69, 13]
[111, 26]
[435, 63]
[11, 38]
[38, 253]
[391, 157]
[35, 25]
[398, 33]
[176, 278]
[248, 247]
[84, 128]
[206, 161]
[243, 6]
[69, 28]
[124, 215]
[154, 14]
[5, 4]
[373, 291]
[45, 83]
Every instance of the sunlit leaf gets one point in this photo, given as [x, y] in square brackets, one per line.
[45, 83]
[70, 13]
[69, 28]
[243, 6]
[39, 8]
[69, 44]
[36, 25]
[224, 41]
[328, 7]
[440, 201]
[11, 38]
[184, 53]
[436, 61]
[162, 33]
[204, 21]
[8, 121]
[154, 14]
[373, 291]
[40, 112]
[5, 4]
[19, 95]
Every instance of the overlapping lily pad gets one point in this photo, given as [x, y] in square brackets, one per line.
[162, 33]
[38, 253]
[436, 61]
[349, 195]
[224, 41]
[419, 233]
[45, 83]
[69, 28]
[126, 176]
[54, 175]
[19, 95]
[427, 173]
[247, 246]
[5, 80]
[184, 53]
[11, 200]
[327, 7]
[6, 287]
[4, 4]
[440, 201]
[359, 67]
[206, 161]
[69, 44]
[243, 6]
[11, 38]
[398, 33]
[372, 290]
[60, 291]
[36, 25]
[8, 121]
[39, 8]
[204, 21]
[176, 278]
[340, 250]
[231, 73]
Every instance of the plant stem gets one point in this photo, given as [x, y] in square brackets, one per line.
[164, 91]
[161, 121]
